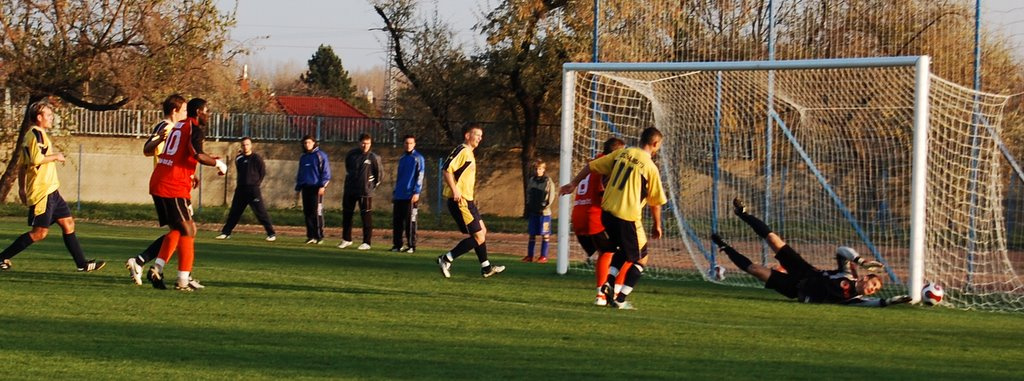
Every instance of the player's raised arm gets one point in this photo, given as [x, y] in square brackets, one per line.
[197, 137]
[571, 186]
[152, 145]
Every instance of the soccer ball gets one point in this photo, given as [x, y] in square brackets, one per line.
[716, 273]
[931, 294]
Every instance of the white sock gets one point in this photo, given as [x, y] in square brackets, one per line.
[159, 264]
[183, 277]
[485, 263]
[625, 290]
[619, 288]
[449, 257]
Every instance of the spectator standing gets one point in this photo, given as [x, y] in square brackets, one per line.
[250, 171]
[540, 193]
[406, 197]
[362, 176]
[311, 182]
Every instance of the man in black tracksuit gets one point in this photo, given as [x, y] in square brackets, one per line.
[362, 176]
[251, 170]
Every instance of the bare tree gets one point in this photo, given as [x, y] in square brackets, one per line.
[434, 65]
[527, 46]
[102, 55]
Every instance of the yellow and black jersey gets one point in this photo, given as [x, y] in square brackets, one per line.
[158, 130]
[461, 163]
[40, 179]
[632, 182]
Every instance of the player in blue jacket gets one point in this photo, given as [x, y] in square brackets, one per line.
[408, 185]
[311, 181]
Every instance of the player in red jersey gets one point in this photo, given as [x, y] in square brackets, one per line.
[171, 187]
[586, 221]
[174, 110]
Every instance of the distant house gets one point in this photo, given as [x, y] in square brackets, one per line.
[328, 118]
[318, 106]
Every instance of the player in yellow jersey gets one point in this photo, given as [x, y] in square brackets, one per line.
[38, 186]
[459, 171]
[633, 181]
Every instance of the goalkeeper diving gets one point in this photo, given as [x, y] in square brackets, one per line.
[804, 282]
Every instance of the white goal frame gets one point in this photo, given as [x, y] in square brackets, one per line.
[920, 64]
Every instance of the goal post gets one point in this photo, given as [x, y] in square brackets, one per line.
[873, 153]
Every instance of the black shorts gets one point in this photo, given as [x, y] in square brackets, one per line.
[173, 212]
[596, 243]
[56, 208]
[797, 270]
[794, 264]
[623, 235]
[783, 283]
[466, 216]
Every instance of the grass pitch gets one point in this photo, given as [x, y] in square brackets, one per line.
[293, 311]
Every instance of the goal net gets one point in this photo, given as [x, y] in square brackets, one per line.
[825, 152]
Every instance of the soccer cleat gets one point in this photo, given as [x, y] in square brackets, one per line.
[363, 246]
[271, 238]
[411, 250]
[609, 295]
[404, 249]
[625, 305]
[542, 260]
[319, 242]
[311, 241]
[156, 278]
[5, 265]
[395, 249]
[490, 271]
[600, 300]
[191, 285]
[92, 265]
[223, 236]
[445, 266]
[739, 207]
[344, 244]
[526, 259]
[134, 271]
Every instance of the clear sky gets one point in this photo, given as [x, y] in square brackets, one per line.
[288, 32]
[1006, 17]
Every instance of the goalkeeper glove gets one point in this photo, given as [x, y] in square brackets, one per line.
[739, 207]
[717, 239]
[221, 167]
[873, 266]
[898, 299]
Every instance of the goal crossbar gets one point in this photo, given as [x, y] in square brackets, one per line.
[837, 63]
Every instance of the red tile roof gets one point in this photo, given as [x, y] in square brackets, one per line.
[318, 106]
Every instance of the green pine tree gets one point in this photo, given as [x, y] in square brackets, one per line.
[326, 75]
